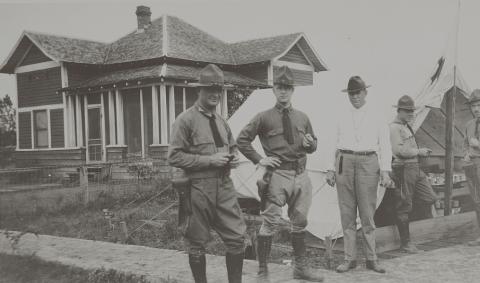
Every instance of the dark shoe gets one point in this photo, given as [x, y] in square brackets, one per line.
[198, 266]
[375, 266]
[346, 266]
[234, 267]
[410, 248]
[301, 270]
[264, 245]
[474, 243]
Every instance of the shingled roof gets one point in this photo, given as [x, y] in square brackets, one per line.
[167, 37]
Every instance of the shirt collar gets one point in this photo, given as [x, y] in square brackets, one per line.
[280, 107]
[203, 110]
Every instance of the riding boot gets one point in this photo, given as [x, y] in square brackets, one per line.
[198, 266]
[234, 267]
[264, 245]
[301, 270]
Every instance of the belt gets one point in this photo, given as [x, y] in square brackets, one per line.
[297, 166]
[209, 173]
[364, 153]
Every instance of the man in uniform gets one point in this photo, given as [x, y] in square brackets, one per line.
[202, 145]
[360, 156]
[410, 181]
[472, 155]
[286, 136]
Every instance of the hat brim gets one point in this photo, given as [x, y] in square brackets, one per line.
[473, 101]
[405, 108]
[357, 89]
[206, 84]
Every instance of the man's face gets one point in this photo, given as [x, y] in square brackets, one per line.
[475, 109]
[405, 115]
[209, 96]
[357, 98]
[283, 93]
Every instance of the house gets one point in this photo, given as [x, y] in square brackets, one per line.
[87, 102]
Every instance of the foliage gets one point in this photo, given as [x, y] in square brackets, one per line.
[7, 122]
[237, 99]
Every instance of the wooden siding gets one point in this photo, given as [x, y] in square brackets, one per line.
[39, 87]
[50, 157]
[301, 77]
[56, 128]
[295, 55]
[34, 56]
[78, 73]
[256, 72]
[25, 130]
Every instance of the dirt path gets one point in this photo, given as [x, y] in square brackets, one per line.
[453, 264]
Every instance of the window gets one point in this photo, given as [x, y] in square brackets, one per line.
[40, 123]
[184, 100]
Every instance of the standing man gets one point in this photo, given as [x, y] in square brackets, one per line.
[203, 146]
[472, 155]
[286, 136]
[410, 181]
[361, 157]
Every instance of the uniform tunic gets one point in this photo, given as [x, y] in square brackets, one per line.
[410, 181]
[213, 197]
[472, 167]
[290, 186]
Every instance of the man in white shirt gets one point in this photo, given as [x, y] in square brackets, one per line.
[362, 156]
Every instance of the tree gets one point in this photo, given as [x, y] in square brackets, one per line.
[7, 122]
[237, 99]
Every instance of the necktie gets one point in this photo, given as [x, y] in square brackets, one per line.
[287, 127]
[216, 134]
[411, 131]
[476, 128]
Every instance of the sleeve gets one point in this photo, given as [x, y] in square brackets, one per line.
[399, 147]
[231, 141]
[178, 155]
[246, 137]
[332, 147]
[385, 148]
[312, 147]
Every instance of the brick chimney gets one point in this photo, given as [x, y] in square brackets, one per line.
[143, 17]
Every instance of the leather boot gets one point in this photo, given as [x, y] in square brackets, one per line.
[234, 267]
[198, 266]
[301, 270]
[405, 244]
[264, 245]
[375, 266]
[346, 266]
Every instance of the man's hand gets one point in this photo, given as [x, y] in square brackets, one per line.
[473, 142]
[424, 151]
[385, 179]
[307, 141]
[219, 159]
[467, 158]
[270, 161]
[330, 178]
[234, 162]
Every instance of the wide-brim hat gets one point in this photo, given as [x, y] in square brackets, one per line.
[355, 83]
[211, 75]
[284, 76]
[405, 102]
[474, 97]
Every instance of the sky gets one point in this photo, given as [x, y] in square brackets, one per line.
[392, 45]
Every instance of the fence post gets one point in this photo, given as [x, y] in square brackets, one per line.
[329, 252]
[124, 231]
[84, 182]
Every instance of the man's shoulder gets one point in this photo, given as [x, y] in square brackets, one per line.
[471, 122]
[187, 116]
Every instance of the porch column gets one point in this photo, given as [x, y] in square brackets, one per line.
[156, 132]
[85, 105]
[71, 121]
[163, 114]
[184, 98]
[111, 118]
[65, 121]
[224, 104]
[103, 126]
[171, 106]
[142, 129]
[78, 120]
[120, 130]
